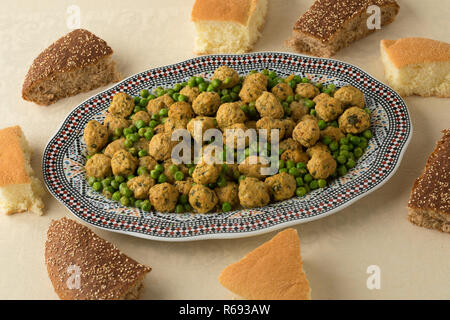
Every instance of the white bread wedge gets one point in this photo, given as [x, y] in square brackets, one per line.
[230, 26]
[417, 66]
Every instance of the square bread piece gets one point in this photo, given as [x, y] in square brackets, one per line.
[19, 190]
[273, 271]
[417, 66]
[230, 26]
[429, 204]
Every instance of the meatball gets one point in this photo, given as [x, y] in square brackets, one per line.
[154, 106]
[321, 165]
[229, 114]
[172, 124]
[205, 123]
[113, 122]
[332, 132]
[282, 186]
[320, 97]
[251, 166]
[141, 115]
[329, 109]
[295, 155]
[307, 132]
[205, 173]
[160, 147]
[254, 85]
[269, 106]
[167, 99]
[269, 124]
[228, 193]
[290, 144]
[318, 147]
[121, 105]
[190, 93]
[184, 186]
[95, 136]
[298, 110]
[237, 132]
[202, 199]
[123, 163]
[250, 124]
[206, 104]
[282, 91]
[350, 96]
[141, 144]
[114, 146]
[181, 111]
[289, 126]
[222, 73]
[147, 162]
[98, 166]
[354, 120]
[307, 90]
[253, 193]
[140, 186]
[159, 129]
[164, 197]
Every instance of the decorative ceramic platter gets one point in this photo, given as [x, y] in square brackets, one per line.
[65, 155]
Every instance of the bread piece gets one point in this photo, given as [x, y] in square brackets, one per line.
[417, 66]
[429, 204]
[273, 271]
[330, 25]
[104, 272]
[77, 62]
[20, 190]
[231, 26]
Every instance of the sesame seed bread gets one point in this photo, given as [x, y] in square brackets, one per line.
[231, 26]
[20, 190]
[104, 272]
[417, 66]
[330, 25]
[273, 271]
[77, 62]
[429, 203]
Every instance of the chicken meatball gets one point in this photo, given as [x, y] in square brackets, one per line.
[282, 91]
[190, 93]
[98, 166]
[167, 99]
[350, 96]
[307, 90]
[228, 193]
[95, 136]
[184, 186]
[290, 144]
[223, 73]
[160, 147]
[140, 186]
[282, 186]
[254, 85]
[204, 123]
[329, 109]
[332, 132]
[269, 106]
[123, 163]
[205, 173]
[206, 104]
[172, 124]
[267, 123]
[321, 165]
[181, 111]
[289, 126]
[354, 120]
[154, 106]
[114, 146]
[298, 110]
[295, 155]
[141, 144]
[318, 147]
[147, 162]
[251, 166]
[202, 199]
[253, 193]
[164, 197]
[237, 132]
[307, 132]
[141, 115]
[122, 105]
[229, 114]
[113, 122]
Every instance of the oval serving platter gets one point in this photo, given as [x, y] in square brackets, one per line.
[65, 154]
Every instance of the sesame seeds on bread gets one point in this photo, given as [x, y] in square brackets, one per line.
[330, 25]
[429, 203]
[78, 62]
[417, 66]
[273, 271]
[104, 272]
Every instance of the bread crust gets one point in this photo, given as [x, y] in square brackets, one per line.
[105, 272]
[12, 159]
[238, 11]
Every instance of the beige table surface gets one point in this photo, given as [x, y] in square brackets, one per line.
[337, 250]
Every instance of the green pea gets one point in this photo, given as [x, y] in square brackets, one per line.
[344, 153]
[341, 159]
[115, 184]
[265, 72]
[290, 164]
[116, 196]
[322, 183]
[334, 124]
[187, 207]
[142, 170]
[126, 192]
[144, 102]
[319, 85]
[342, 170]
[253, 113]
[283, 170]
[314, 185]
[236, 89]
[215, 83]
[138, 203]
[133, 151]
[173, 168]
[182, 98]
[191, 171]
[290, 99]
[355, 140]
[322, 124]
[148, 135]
[137, 100]
[298, 97]
[281, 164]
[151, 97]
[164, 112]
[222, 182]
[358, 152]
[300, 165]
[162, 178]
[272, 74]
[294, 171]
[119, 179]
[350, 163]
[326, 140]
[179, 176]
[299, 181]
[118, 132]
[179, 208]
[225, 99]
[202, 87]
[127, 131]
[292, 84]
[183, 198]
[97, 186]
[343, 141]
[125, 201]
[300, 191]
[210, 88]
[313, 112]
[177, 87]
[367, 134]
[146, 205]
[106, 182]
[333, 146]
[305, 80]
[140, 124]
[368, 111]
[226, 206]
[309, 103]
[91, 181]
[155, 174]
[308, 178]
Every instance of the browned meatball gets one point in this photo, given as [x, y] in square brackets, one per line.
[289, 126]
[354, 120]
[269, 106]
[181, 111]
[98, 166]
[295, 155]
[307, 132]
[329, 109]
[282, 186]
[321, 165]
[282, 91]
[160, 147]
[205, 173]
[267, 123]
[251, 166]
[202, 199]
[164, 197]
[190, 93]
[147, 162]
[229, 114]
[254, 85]
[141, 144]
[123, 163]
[332, 132]
[228, 193]
[223, 73]
[307, 90]
[121, 105]
[141, 186]
[172, 124]
[290, 144]
[204, 123]
[318, 147]
[114, 146]
[141, 115]
[253, 193]
[298, 110]
[350, 96]
[95, 136]
[154, 106]
[113, 122]
[237, 132]
[206, 104]
[184, 186]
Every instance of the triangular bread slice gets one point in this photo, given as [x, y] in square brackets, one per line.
[417, 66]
[273, 271]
